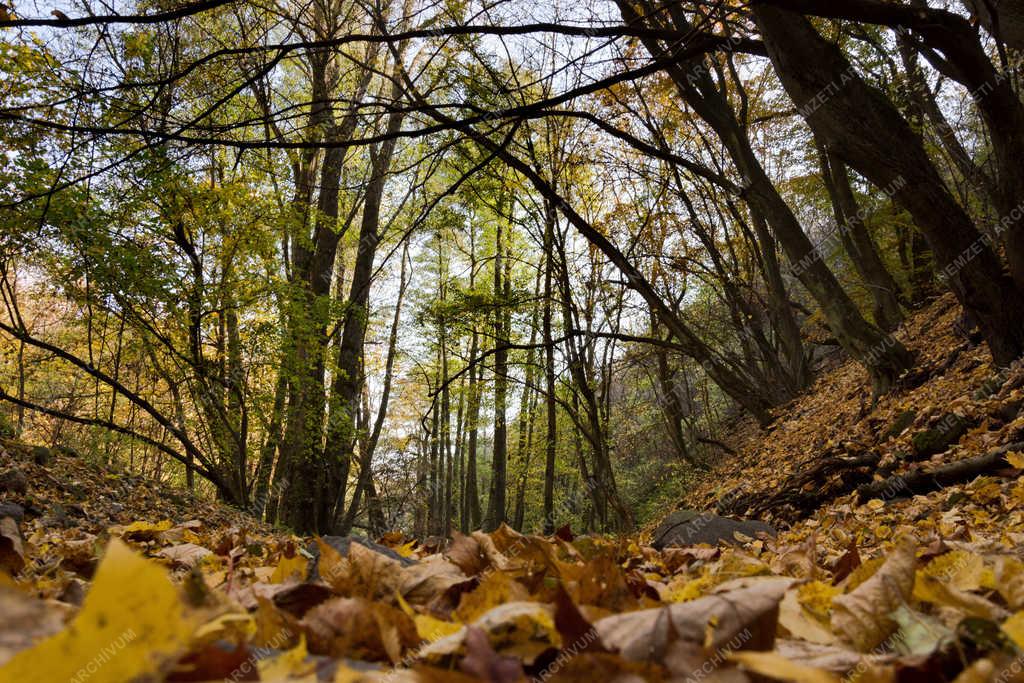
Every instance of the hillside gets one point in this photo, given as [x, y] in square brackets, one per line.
[954, 407]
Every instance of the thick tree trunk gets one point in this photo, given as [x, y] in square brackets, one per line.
[953, 47]
[862, 127]
[348, 375]
[884, 357]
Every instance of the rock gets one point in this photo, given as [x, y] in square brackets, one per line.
[1008, 410]
[14, 481]
[939, 438]
[41, 455]
[12, 510]
[902, 421]
[688, 527]
[341, 544]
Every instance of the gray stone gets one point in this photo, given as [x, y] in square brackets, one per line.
[341, 544]
[689, 527]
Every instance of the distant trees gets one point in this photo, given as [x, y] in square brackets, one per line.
[361, 265]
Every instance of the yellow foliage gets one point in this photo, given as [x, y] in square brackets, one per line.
[133, 624]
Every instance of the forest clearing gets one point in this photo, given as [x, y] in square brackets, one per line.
[442, 340]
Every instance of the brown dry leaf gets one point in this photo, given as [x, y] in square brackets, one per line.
[495, 558]
[429, 578]
[359, 629]
[373, 574]
[600, 581]
[465, 553]
[483, 662]
[26, 621]
[751, 611]
[12, 553]
[838, 659]
[846, 564]
[185, 554]
[776, 666]
[861, 617]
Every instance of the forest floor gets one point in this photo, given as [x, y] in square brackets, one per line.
[107, 577]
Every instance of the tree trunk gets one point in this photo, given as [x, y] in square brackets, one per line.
[496, 506]
[550, 404]
[862, 127]
[884, 357]
[858, 243]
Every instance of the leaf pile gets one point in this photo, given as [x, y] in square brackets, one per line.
[187, 603]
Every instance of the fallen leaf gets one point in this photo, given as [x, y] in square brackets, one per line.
[861, 617]
[26, 621]
[776, 666]
[186, 554]
[359, 629]
[133, 611]
[292, 568]
[12, 553]
[751, 611]
[483, 662]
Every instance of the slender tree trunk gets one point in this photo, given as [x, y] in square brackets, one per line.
[366, 467]
[471, 512]
[496, 505]
[262, 494]
[550, 405]
[858, 243]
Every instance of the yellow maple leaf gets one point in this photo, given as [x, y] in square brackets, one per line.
[289, 568]
[290, 665]
[132, 625]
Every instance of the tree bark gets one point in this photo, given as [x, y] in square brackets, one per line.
[858, 243]
[862, 127]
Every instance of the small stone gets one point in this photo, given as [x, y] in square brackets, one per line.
[14, 481]
[938, 439]
[341, 544]
[689, 527]
[902, 421]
